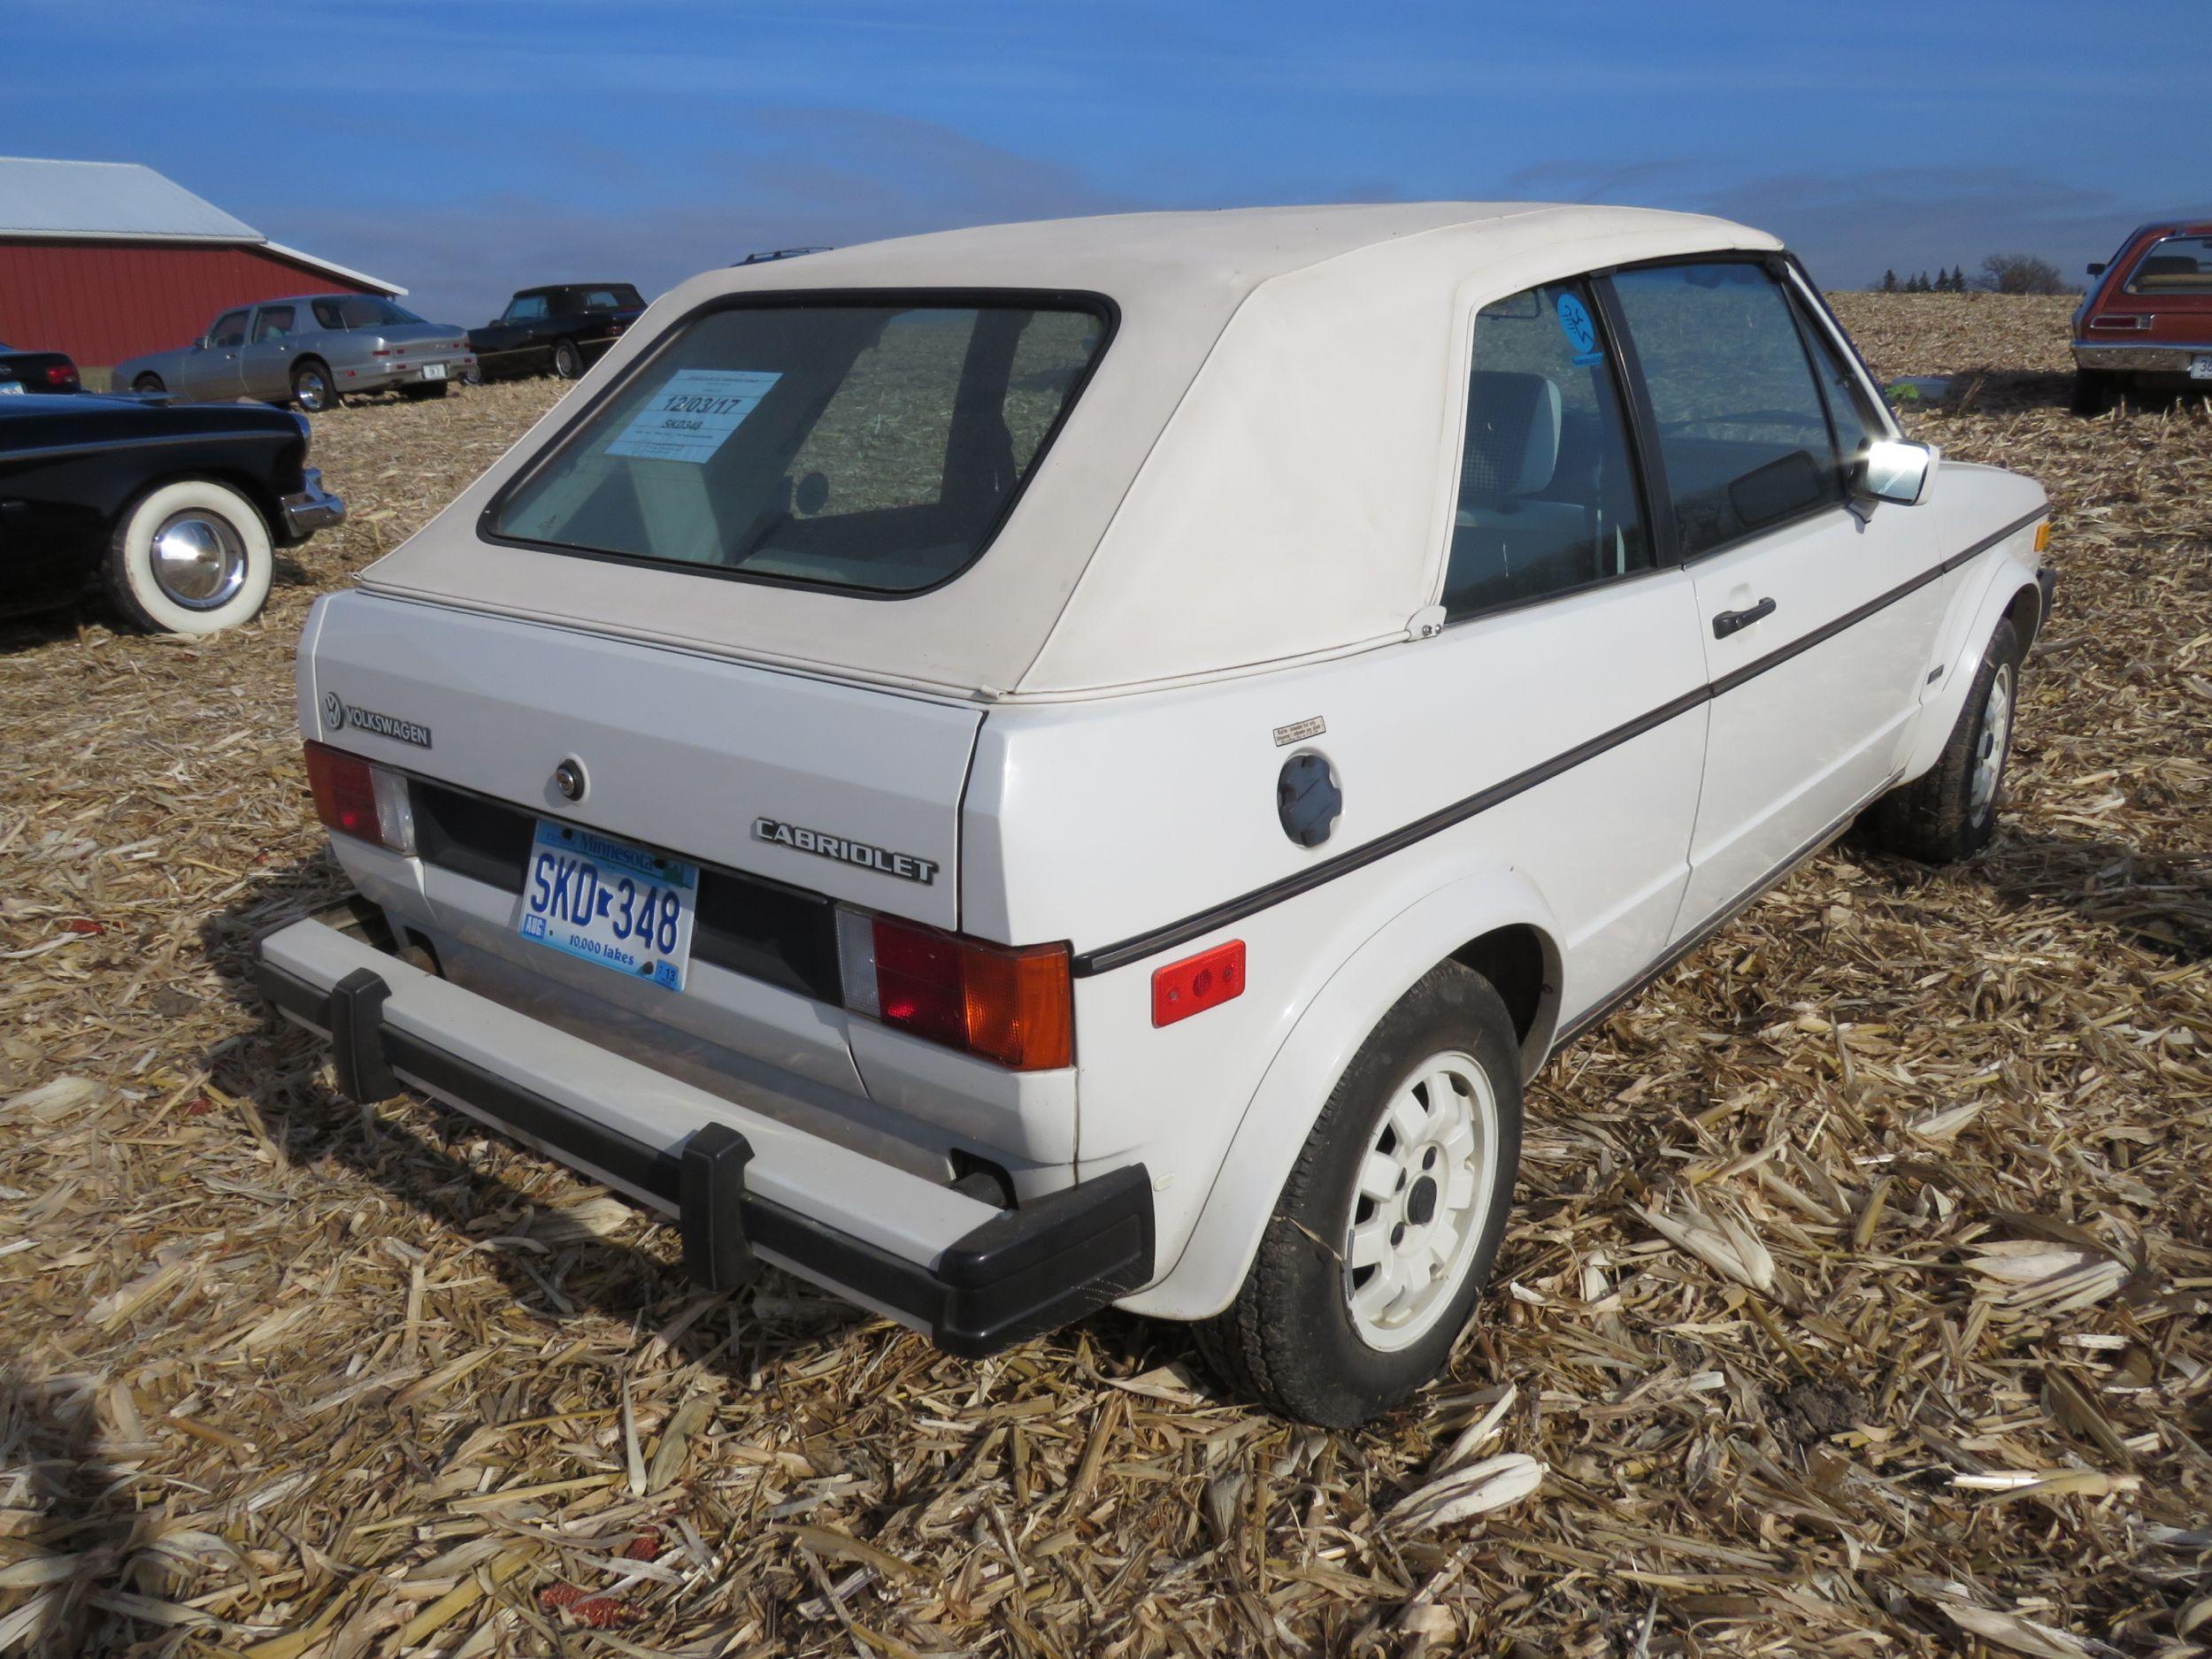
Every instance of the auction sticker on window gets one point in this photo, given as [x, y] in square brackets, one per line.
[694, 414]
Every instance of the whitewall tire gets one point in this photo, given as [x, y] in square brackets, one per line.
[190, 557]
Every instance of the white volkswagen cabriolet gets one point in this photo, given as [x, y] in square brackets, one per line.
[1065, 763]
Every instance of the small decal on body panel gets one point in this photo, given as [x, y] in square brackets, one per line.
[906, 866]
[1299, 731]
[337, 716]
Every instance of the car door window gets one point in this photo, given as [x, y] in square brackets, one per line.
[1547, 495]
[1851, 409]
[229, 330]
[271, 322]
[1742, 430]
[527, 308]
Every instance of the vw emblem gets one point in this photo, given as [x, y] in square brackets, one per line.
[333, 711]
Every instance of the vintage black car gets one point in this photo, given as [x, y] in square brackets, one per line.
[22, 372]
[175, 512]
[557, 330]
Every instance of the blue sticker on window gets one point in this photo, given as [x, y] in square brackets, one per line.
[1582, 334]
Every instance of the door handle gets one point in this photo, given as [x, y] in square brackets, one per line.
[1731, 621]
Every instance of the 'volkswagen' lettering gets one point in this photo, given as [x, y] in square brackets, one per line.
[881, 860]
[337, 714]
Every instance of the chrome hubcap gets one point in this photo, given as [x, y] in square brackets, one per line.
[1990, 746]
[1422, 1202]
[199, 559]
[313, 391]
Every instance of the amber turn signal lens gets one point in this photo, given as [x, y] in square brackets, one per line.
[1014, 1006]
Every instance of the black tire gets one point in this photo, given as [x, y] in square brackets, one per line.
[313, 388]
[473, 375]
[1291, 1338]
[2095, 391]
[1936, 818]
[568, 359]
[423, 391]
[152, 383]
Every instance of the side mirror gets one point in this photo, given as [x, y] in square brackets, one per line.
[1895, 471]
[2097, 269]
[200, 344]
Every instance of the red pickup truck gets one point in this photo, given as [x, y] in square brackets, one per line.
[2146, 322]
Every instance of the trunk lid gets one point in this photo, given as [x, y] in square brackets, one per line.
[424, 340]
[841, 790]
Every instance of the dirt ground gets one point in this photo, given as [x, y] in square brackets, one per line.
[1859, 1300]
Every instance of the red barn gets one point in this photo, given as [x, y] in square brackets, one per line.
[104, 260]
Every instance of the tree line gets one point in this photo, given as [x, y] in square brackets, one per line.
[2001, 274]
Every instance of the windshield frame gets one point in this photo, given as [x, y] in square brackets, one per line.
[1099, 305]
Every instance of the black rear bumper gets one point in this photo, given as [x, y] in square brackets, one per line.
[1028, 1270]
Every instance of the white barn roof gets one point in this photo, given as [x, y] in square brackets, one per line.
[1250, 476]
[121, 201]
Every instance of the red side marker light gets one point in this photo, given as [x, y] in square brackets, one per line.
[1198, 983]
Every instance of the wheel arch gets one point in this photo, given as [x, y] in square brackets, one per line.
[1495, 921]
[256, 492]
[2010, 593]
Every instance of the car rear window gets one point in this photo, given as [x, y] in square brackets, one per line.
[361, 311]
[866, 447]
[2175, 264]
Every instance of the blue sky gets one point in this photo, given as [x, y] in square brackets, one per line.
[464, 148]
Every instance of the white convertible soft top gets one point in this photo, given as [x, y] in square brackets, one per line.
[1251, 476]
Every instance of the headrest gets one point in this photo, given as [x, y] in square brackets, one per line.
[1512, 434]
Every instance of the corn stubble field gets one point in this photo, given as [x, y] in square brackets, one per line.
[1859, 1300]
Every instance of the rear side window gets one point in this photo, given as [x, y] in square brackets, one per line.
[1548, 499]
[2174, 264]
[1742, 430]
[604, 299]
[872, 448]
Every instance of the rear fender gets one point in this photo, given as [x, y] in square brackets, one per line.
[1989, 593]
[1305, 1069]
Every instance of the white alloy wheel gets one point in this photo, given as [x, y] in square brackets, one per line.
[191, 557]
[1422, 1202]
[1991, 745]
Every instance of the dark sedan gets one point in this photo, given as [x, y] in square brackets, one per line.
[173, 512]
[22, 372]
[556, 330]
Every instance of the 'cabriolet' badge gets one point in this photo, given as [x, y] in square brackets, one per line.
[337, 716]
[906, 866]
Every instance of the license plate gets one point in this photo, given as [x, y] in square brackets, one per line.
[10, 389]
[2200, 368]
[433, 371]
[608, 901]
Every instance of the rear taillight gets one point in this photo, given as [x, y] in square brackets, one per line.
[354, 798]
[60, 374]
[1013, 1006]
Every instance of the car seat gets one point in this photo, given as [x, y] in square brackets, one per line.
[1507, 541]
